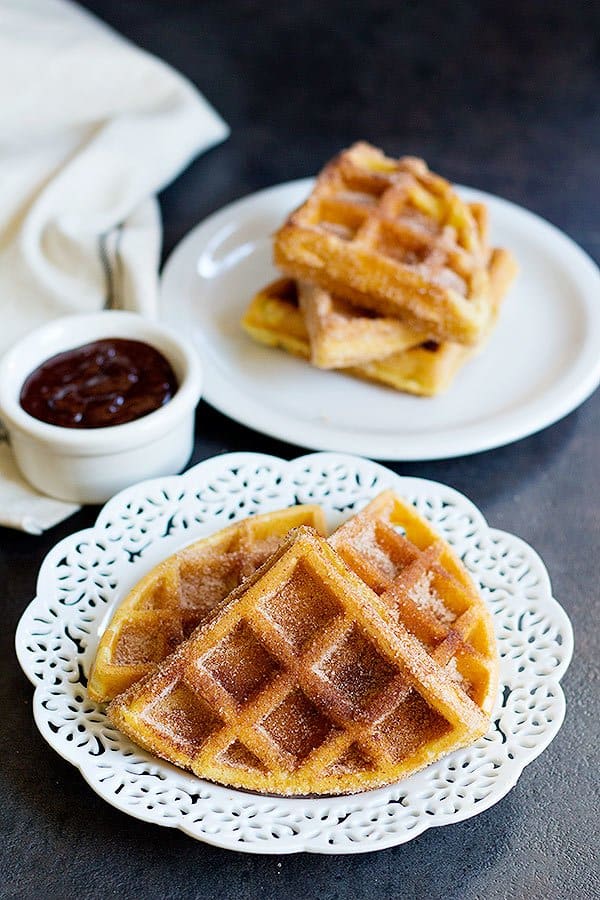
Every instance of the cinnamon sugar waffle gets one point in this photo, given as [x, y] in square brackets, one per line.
[274, 318]
[170, 601]
[343, 335]
[391, 236]
[302, 682]
[426, 587]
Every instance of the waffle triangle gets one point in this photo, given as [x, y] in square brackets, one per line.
[392, 236]
[302, 682]
[173, 598]
[274, 318]
[426, 588]
[342, 335]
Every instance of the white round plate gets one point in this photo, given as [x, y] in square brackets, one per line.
[86, 575]
[542, 361]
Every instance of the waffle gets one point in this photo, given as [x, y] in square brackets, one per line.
[342, 335]
[170, 601]
[391, 236]
[300, 683]
[416, 574]
[274, 318]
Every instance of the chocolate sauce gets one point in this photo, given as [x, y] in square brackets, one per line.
[107, 382]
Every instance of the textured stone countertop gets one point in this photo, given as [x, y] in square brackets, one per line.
[502, 96]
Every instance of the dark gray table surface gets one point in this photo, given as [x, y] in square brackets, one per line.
[502, 96]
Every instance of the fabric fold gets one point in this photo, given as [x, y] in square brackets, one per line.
[92, 128]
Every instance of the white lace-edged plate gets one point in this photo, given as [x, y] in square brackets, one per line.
[87, 574]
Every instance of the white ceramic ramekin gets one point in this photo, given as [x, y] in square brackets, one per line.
[90, 465]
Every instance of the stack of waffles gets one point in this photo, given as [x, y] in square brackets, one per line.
[272, 658]
[388, 275]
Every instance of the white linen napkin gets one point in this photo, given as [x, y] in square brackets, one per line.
[91, 129]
